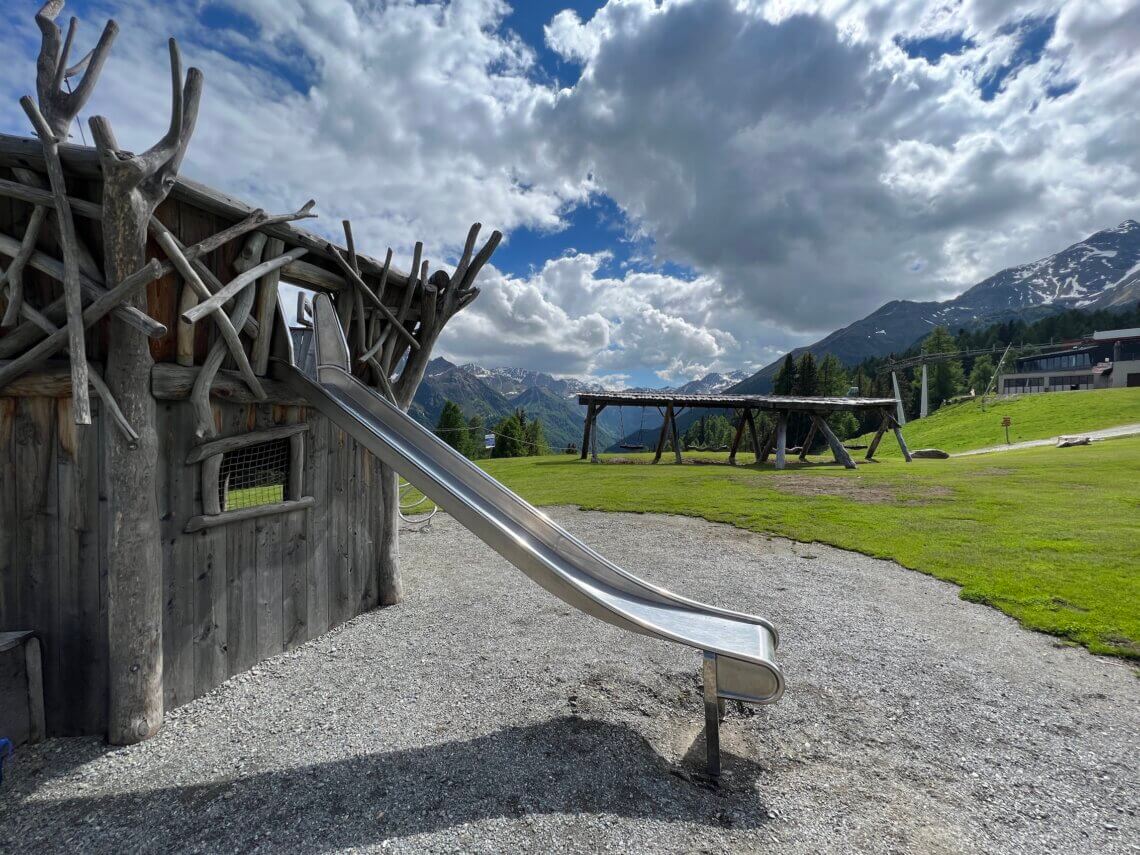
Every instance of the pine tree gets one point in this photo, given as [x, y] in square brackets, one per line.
[981, 374]
[807, 376]
[833, 379]
[451, 427]
[509, 437]
[535, 439]
[944, 379]
[834, 383]
[785, 378]
[476, 430]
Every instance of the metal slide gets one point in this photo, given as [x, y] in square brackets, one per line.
[739, 649]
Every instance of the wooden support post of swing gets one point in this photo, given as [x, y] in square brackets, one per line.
[736, 437]
[901, 441]
[808, 441]
[769, 443]
[673, 431]
[664, 433]
[841, 454]
[781, 439]
[594, 433]
[753, 433]
[874, 446]
[586, 431]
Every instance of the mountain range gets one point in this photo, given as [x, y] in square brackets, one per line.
[1100, 272]
[494, 393]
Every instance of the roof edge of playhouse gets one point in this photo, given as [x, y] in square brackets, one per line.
[84, 161]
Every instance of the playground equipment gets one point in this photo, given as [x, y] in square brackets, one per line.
[781, 407]
[228, 517]
[739, 649]
[408, 512]
[631, 446]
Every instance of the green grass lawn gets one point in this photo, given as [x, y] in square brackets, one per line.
[1049, 536]
[961, 427]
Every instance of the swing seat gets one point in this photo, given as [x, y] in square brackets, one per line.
[632, 447]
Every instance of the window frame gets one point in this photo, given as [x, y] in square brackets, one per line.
[210, 455]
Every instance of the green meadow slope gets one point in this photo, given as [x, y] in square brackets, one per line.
[1049, 536]
[969, 425]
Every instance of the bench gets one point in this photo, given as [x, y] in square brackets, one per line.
[21, 688]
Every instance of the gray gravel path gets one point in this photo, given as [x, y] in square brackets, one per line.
[1093, 435]
[482, 715]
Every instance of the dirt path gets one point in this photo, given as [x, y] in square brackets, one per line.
[483, 715]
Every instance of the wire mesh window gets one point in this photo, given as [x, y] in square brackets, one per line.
[254, 475]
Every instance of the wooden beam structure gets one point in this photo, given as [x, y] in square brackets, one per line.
[736, 437]
[817, 409]
[587, 428]
[736, 402]
[781, 439]
[841, 454]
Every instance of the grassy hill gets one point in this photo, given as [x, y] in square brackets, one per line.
[1045, 535]
[965, 426]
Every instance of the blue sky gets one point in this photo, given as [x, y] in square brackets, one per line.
[684, 185]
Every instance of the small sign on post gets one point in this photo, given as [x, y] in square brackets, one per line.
[1005, 423]
[488, 440]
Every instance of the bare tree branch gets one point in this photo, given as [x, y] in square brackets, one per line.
[14, 275]
[155, 170]
[59, 107]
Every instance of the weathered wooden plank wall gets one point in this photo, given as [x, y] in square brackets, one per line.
[247, 590]
[51, 562]
[233, 594]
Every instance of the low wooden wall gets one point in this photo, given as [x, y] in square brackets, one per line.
[243, 591]
[53, 569]
[234, 594]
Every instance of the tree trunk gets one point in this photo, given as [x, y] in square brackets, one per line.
[391, 587]
[134, 601]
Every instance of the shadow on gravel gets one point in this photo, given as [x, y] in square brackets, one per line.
[564, 766]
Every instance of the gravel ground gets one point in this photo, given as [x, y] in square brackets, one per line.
[483, 715]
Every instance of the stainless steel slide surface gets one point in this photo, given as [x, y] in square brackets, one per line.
[524, 535]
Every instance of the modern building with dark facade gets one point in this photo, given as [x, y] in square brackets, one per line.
[1104, 360]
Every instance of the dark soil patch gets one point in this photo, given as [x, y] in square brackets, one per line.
[856, 490]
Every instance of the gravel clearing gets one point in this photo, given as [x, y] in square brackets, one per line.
[483, 715]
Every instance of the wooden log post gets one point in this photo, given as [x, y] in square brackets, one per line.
[874, 446]
[594, 434]
[664, 433]
[586, 428]
[453, 294]
[266, 305]
[676, 441]
[133, 186]
[736, 437]
[841, 454]
[808, 441]
[781, 439]
[769, 444]
[902, 442]
[748, 414]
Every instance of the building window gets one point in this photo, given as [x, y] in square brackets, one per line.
[254, 475]
[251, 475]
[1071, 382]
[1059, 362]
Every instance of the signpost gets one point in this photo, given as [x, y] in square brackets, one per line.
[1005, 423]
